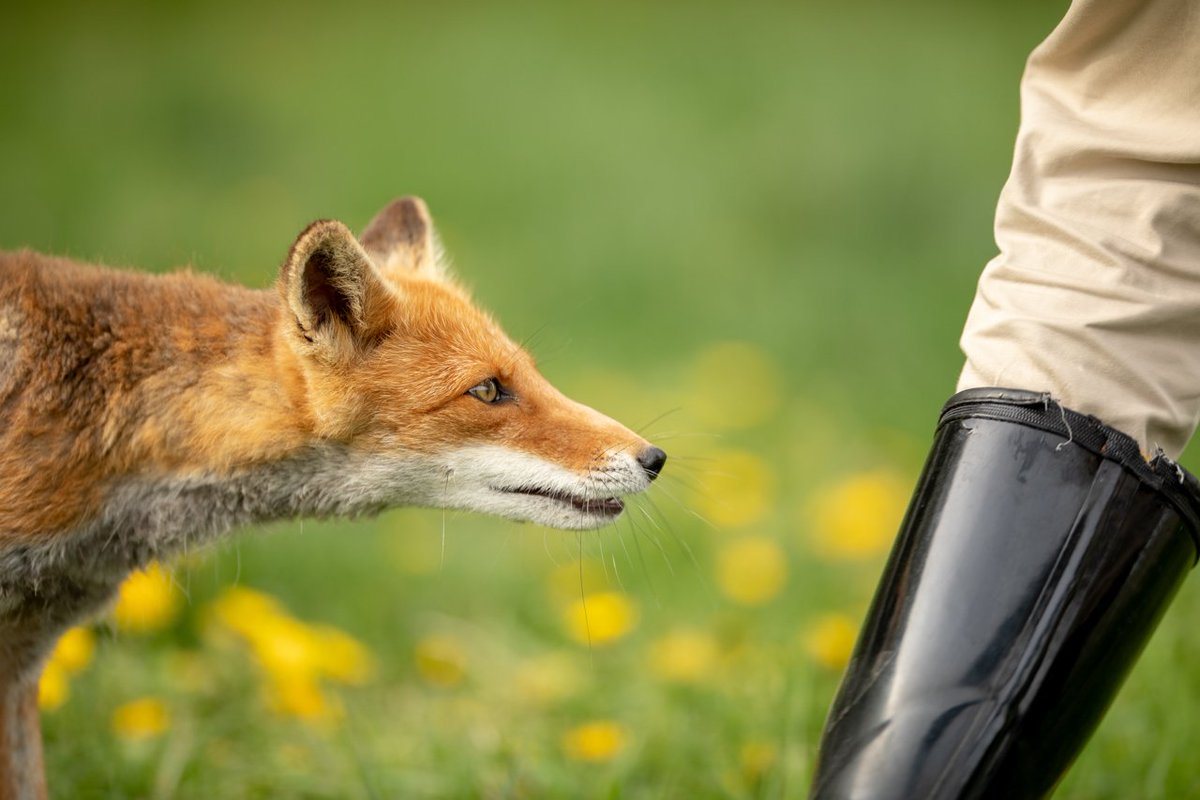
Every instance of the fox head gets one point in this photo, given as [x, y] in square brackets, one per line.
[394, 362]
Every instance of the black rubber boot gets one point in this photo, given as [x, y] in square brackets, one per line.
[1036, 558]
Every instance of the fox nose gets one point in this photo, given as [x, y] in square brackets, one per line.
[652, 460]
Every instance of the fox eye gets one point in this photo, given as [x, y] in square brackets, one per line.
[489, 391]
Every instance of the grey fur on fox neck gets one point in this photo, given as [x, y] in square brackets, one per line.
[148, 519]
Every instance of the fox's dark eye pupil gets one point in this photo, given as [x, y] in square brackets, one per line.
[488, 391]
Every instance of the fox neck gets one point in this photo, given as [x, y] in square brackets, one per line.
[145, 519]
[149, 518]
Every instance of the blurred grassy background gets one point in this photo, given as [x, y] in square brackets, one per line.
[763, 221]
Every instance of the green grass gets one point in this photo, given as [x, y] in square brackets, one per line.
[629, 184]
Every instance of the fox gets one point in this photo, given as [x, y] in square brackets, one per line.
[143, 415]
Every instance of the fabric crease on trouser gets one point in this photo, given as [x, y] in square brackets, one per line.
[1095, 296]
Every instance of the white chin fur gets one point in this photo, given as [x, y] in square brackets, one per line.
[541, 510]
[484, 478]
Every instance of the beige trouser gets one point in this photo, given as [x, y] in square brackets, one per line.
[1095, 296]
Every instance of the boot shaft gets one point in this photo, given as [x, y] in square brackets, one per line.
[1038, 553]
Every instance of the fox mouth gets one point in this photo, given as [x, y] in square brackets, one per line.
[596, 506]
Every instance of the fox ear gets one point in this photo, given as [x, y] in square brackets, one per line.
[332, 291]
[400, 239]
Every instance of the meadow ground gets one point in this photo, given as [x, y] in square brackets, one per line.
[752, 229]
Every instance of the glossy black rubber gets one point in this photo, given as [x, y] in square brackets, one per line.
[1037, 556]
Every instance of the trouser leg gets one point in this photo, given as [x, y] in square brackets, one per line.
[1095, 295]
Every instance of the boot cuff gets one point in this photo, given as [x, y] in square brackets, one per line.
[1040, 410]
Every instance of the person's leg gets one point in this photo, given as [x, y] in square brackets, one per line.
[1041, 546]
[1095, 296]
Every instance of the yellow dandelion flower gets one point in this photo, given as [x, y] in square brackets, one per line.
[737, 386]
[830, 641]
[74, 649]
[301, 696]
[751, 570]
[148, 601]
[859, 517]
[144, 718]
[53, 688]
[285, 647]
[756, 758]
[737, 489]
[294, 655]
[684, 656]
[244, 610]
[441, 660]
[549, 678]
[71, 654]
[342, 657]
[601, 618]
[596, 742]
